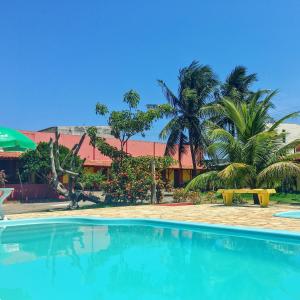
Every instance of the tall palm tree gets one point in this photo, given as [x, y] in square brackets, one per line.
[197, 84]
[255, 156]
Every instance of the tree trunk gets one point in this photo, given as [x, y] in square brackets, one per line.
[153, 185]
[194, 171]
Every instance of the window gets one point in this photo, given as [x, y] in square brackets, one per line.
[284, 136]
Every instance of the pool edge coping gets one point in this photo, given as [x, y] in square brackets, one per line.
[152, 221]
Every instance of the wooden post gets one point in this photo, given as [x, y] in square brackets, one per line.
[153, 187]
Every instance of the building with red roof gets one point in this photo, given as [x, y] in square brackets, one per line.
[176, 175]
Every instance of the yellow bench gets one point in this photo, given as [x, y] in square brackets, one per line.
[263, 195]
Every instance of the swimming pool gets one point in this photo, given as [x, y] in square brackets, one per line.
[294, 214]
[85, 258]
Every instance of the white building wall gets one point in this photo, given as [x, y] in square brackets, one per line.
[292, 131]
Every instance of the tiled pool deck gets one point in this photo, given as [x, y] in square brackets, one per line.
[249, 216]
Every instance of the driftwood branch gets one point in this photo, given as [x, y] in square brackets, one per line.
[56, 184]
[67, 156]
[70, 193]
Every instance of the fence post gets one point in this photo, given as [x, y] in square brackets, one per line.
[153, 186]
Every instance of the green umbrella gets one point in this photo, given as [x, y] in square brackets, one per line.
[12, 140]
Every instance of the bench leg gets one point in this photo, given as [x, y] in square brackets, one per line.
[264, 199]
[227, 198]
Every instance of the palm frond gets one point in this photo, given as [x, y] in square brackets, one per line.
[208, 180]
[237, 174]
[280, 121]
[211, 111]
[259, 148]
[176, 138]
[235, 169]
[221, 134]
[269, 97]
[256, 96]
[169, 127]
[218, 150]
[171, 98]
[290, 157]
[233, 113]
[279, 171]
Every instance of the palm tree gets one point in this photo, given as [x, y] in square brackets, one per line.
[237, 88]
[255, 156]
[197, 84]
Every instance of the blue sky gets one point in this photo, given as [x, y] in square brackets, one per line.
[59, 57]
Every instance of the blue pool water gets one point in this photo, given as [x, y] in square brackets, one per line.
[295, 214]
[127, 259]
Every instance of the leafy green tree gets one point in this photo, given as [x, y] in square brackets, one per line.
[255, 156]
[129, 122]
[130, 178]
[101, 109]
[37, 162]
[197, 85]
[132, 98]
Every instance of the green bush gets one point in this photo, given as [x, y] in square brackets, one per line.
[92, 181]
[131, 179]
[180, 195]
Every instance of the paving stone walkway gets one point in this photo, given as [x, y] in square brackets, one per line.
[249, 216]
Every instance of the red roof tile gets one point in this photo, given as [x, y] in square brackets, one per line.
[10, 155]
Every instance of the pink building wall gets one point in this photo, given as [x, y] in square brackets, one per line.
[31, 192]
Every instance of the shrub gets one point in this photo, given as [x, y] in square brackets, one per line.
[127, 186]
[180, 195]
[131, 179]
[92, 181]
[211, 197]
[194, 197]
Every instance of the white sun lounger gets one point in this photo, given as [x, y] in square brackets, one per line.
[4, 193]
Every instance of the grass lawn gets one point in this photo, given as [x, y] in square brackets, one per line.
[286, 198]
